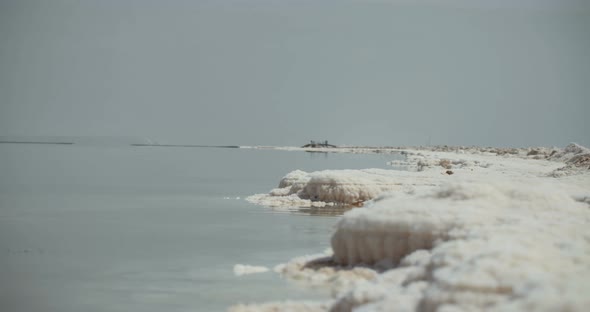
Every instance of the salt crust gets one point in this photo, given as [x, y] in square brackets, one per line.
[424, 169]
[491, 246]
[501, 234]
[243, 269]
[496, 247]
[284, 306]
[338, 187]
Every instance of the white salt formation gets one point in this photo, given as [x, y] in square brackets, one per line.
[576, 158]
[338, 187]
[320, 269]
[353, 187]
[284, 306]
[491, 245]
[243, 269]
[348, 186]
[569, 152]
[334, 186]
[509, 230]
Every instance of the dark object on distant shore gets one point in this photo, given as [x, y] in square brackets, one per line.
[449, 172]
[315, 144]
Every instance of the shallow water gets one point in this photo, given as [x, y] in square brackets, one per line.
[98, 228]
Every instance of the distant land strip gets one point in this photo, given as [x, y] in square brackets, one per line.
[31, 142]
[186, 145]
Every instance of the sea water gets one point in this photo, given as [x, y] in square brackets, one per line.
[121, 228]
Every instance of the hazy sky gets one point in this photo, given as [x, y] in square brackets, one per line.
[278, 72]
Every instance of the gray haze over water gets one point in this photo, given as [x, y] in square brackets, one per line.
[285, 72]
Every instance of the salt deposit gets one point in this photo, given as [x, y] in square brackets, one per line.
[243, 269]
[337, 187]
[508, 231]
[576, 157]
[490, 245]
[285, 306]
[353, 187]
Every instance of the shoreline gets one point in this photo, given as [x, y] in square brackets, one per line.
[507, 229]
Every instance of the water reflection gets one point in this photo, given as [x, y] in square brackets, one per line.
[328, 211]
[317, 154]
[332, 211]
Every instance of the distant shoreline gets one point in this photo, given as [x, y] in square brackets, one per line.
[185, 145]
[29, 142]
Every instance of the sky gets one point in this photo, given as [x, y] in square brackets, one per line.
[261, 72]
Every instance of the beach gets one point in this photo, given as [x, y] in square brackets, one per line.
[456, 229]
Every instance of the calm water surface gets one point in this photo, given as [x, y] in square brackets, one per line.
[95, 228]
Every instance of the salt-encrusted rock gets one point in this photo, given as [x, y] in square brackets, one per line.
[295, 180]
[576, 158]
[569, 151]
[348, 186]
[582, 160]
[342, 187]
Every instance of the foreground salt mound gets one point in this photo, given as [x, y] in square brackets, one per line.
[483, 246]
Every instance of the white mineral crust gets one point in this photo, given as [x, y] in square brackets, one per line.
[508, 230]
